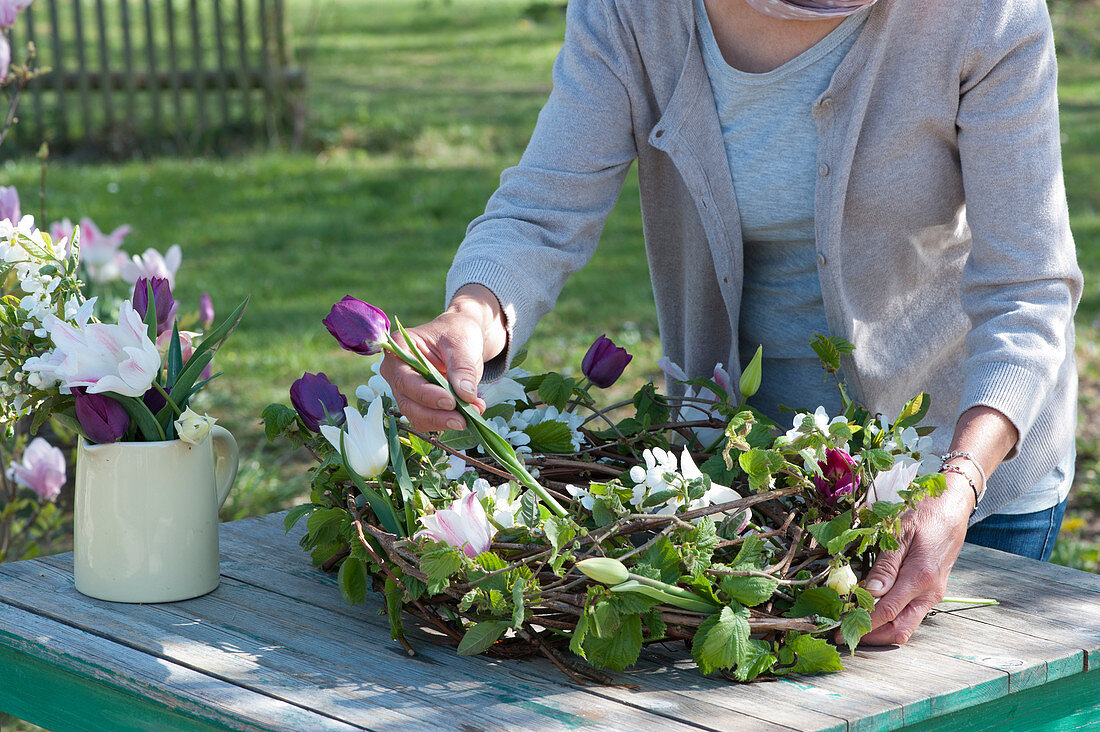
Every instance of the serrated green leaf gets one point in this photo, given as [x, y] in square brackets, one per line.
[294, 515]
[715, 467]
[618, 651]
[853, 626]
[750, 552]
[823, 601]
[913, 412]
[529, 510]
[550, 437]
[458, 439]
[559, 531]
[393, 609]
[749, 591]
[481, 636]
[352, 580]
[277, 418]
[605, 618]
[555, 390]
[865, 599]
[826, 532]
[809, 655]
[576, 640]
[758, 659]
[878, 458]
[652, 408]
[721, 641]
[440, 564]
[323, 525]
[664, 558]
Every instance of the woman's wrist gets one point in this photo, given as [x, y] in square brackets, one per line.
[480, 304]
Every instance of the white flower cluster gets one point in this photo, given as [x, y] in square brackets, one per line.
[375, 387]
[501, 502]
[907, 446]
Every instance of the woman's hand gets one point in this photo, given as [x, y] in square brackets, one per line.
[910, 580]
[458, 342]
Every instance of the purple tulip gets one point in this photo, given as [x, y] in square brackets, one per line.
[839, 479]
[163, 301]
[102, 418]
[358, 326]
[206, 310]
[155, 400]
[317, 401]
[604, 362]
[9, 197]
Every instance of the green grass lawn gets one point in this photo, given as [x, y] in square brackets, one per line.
[414, 109]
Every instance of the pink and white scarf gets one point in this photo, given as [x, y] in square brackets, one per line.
[809, 9]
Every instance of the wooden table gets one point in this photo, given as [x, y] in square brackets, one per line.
[276, 648]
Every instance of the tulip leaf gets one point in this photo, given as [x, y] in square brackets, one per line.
[379, 504]
[853, 626]
[204, 352]
[401, 475]
[150, 310]
[174, 364]
[481, 636]
[722, 640]
[141, 416]
[352, 580]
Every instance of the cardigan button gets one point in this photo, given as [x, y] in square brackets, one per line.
[824, 170]
[820, 259]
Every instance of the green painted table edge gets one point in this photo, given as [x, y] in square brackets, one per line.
[1070, 703]
[32, 687]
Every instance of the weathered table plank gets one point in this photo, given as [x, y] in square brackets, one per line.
[276, 647]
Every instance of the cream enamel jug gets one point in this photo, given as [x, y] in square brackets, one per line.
[146, 517]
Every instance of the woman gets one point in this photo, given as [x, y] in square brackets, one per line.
[889, 171]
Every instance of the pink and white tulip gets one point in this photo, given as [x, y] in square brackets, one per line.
[99, 251]
[888, 484]
[42, 469]
[9, 9]
[153, 264]
[118, 358]
[463, 524]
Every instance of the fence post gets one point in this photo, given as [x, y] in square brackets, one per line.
[152, 86]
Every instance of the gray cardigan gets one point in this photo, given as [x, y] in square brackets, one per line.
[945, 253]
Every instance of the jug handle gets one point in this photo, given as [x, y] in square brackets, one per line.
[226, 460]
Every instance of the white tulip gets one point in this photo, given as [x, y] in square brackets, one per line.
[364, 439]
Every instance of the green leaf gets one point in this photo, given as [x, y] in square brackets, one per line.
[441, 564]
[829, 349]
[652, 408]
[721, 641]
[865, 599]
[749, 554]
[605, 618]
[663, 557]
[352, 581]
[141, 416]
[204, 352]
[401, 476]
[826, 532]
[174, 362]
[559, 531]
[550, 437]
[814, 655]
[853, 626]
[480, 636]
[838, 544]
[715, 467]
[277, 419]
[555, 390]
[295, 514]
[323, 526]
[458, 439]
[529, 510]
[878, 458]
[150, 311]
[749, 591]
[576, 640]
[759, 465]
[393, 609]
[758, 659]
[913, 412]
[823, 601]
[618, 651]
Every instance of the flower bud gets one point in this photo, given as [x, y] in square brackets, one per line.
[604, 569]
[102, 419]
[842, 579]
[838, 477]
[751, 374]
[192, 428]
[317, 400]
[206, 310]
[358, 326]
[604, 363]
[163, 301]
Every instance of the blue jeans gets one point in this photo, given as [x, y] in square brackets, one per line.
[1027, 534]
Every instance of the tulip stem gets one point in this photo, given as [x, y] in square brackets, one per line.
[493, 443]
[167, 398]
[971, 600]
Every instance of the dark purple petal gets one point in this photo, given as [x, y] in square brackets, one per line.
[318, 401]
[154, 399]
[165, 304]
[358, 326]
[604, 363]
[840, 477]
[102, 419]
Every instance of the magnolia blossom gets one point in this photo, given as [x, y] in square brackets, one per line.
[888, 484]
[103, 357]
[9, 9]
[42, 469]
[581, 494]
[153, 264]
[502, 390]
[99, 251]
[499, 500]
[462, 524]
[456, 466]
[672, 370]
[192, 428]
[364, 440]
[662, 472]
[9, 197]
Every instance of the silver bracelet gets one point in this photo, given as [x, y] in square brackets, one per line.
[966, 456]
[959, 471]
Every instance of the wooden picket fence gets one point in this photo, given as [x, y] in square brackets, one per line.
[158, 75]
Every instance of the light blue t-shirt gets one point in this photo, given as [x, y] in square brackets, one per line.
[771, 144]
